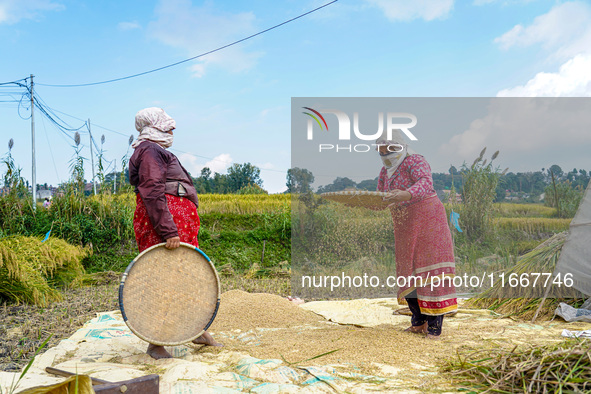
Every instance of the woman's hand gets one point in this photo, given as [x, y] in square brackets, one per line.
[396, 196]
[173, 243]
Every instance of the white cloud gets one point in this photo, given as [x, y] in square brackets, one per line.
[564, 31]
[12, 11]
[573, 79]
[404, 10]
[128, 25]
[219, 164]
[200, 29]
[266, 166]
[527, 126]
[505, 2]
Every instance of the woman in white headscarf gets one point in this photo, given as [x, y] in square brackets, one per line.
[166, 209]
[423, 243]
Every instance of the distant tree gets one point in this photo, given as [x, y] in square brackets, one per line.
[220, 184]
[299, 180]
[368, 184]
[203, 184]
[240, 175]
[557, 171]
[338, 185]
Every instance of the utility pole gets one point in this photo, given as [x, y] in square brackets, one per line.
[33, 177]
[92, 159]
[115, 179]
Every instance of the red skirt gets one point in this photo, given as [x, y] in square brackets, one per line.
[425, 256]
[184, 214]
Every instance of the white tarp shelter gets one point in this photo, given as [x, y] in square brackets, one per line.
[575, 257]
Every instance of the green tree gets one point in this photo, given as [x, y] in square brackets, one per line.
[299, 180]
[339, 184]
[203, 184]
[240, 175]
[564, 197]
[220, 184]
[368, 184]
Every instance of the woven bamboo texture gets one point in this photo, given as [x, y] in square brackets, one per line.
[169, 297]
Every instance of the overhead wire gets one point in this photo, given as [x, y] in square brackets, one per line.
[64, 127]
[191, 58]
[50, 151]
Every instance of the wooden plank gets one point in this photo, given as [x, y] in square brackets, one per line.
[142, 385]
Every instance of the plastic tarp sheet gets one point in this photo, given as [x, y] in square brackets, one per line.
[571, 314]
[106, 349]
[575, 257]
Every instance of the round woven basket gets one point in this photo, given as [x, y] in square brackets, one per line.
[169, 297]
[359, 198]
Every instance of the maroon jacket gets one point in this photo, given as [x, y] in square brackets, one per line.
[154, 172]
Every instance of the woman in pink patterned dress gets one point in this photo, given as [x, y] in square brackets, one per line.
[423, 243]
[167, 201]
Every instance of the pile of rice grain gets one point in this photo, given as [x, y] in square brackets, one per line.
[245, 311]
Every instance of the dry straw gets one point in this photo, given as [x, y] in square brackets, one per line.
[562, 368]
[523, 301]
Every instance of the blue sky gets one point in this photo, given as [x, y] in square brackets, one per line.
[234, 106]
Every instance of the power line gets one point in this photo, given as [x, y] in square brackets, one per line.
[194, 57]
[17, 82]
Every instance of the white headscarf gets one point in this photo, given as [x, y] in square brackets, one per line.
[153, 124]
[393, 160]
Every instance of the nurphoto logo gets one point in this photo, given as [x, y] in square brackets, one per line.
[344, 129]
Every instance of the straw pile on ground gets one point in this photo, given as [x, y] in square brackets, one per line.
[563, 368]
[30, 269]
[524, 301]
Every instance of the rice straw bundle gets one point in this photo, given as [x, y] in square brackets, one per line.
[562, 368]
[28, 267]
[522, 301]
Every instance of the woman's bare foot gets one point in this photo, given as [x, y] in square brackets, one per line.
[432, 337]
[157, 352]
[295, 300]
[206, 339]
[422, 329]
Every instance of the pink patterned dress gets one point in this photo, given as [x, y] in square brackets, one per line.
[185, 216]
[423, 243]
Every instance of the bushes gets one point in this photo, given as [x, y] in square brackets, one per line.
[238, 240]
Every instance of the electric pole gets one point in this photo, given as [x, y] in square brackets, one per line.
[33, 177]
[92, 159]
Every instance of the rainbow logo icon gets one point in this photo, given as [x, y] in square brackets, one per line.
[315, 118]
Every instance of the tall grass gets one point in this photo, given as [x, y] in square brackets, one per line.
[479, 184]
